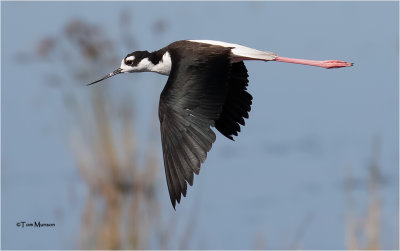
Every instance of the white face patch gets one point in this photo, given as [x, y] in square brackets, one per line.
[143, 65]
[125, 68]
[163, 67]
[130, 58]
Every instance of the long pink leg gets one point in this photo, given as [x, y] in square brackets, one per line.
[324, 63]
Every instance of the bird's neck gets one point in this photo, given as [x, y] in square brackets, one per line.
[159, 62]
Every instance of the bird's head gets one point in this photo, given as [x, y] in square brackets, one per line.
[137, 61]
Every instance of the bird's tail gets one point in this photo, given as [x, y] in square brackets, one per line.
[241, 53]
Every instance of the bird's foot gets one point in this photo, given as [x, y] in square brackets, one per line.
[334, 64]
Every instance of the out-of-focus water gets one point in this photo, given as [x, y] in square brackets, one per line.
[308, 127]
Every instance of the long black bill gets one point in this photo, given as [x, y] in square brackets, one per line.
[117, 71]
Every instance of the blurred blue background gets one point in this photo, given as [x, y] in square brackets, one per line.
[282, 184]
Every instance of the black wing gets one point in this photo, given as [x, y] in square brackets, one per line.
[196, 95]
[238, 102]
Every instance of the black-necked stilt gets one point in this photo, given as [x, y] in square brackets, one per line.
[207, 87]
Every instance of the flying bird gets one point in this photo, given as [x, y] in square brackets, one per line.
[206, 87]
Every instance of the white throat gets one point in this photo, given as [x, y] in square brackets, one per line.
[164, 66]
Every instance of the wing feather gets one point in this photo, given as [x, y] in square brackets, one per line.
[191, 101]
[238, 102]
[201, 92]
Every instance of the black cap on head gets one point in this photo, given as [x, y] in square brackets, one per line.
[137, 56]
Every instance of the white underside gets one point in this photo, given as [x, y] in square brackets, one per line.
[241, 52]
